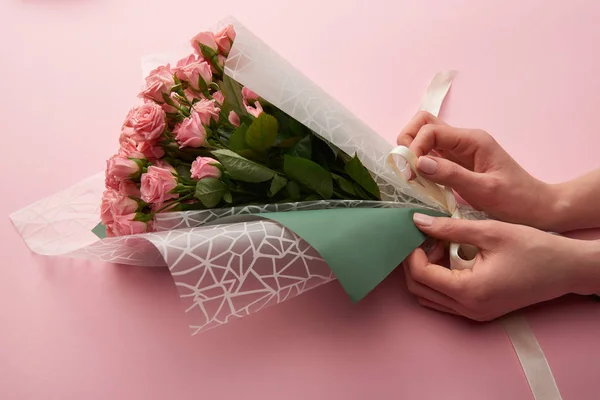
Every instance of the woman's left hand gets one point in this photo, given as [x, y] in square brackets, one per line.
[517, 266]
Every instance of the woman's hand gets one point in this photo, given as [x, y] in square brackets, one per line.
[517, 266]
[472, 163]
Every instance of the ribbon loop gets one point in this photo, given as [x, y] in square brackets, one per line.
[403, 161]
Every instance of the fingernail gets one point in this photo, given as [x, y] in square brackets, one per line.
[427, 165]
[423, 219]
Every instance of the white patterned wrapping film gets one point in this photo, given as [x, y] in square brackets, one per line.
[222, 272]
[229, 270]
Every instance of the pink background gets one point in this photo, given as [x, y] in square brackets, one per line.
[79, 330]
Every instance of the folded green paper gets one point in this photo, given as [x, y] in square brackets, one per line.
[362, 246]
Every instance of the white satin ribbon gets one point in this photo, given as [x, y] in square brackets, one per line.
[401, 161]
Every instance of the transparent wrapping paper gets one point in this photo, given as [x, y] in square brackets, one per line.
[226, 270]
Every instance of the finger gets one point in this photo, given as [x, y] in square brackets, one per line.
[444, 137]
[466, 162]
[407, 135]
[449, 173]
[436, 252]
[422, 291]
[482, 234]
[430, 304]
[436, 277]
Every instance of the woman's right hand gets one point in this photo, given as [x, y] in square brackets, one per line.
[472, 163]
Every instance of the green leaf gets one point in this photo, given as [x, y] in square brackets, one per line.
[290, 130]
[322, 154]
[232, 91]
[361, 193]
[278, 183]
[293, 190]
[344, 184]
[336, 152]
[237, 141]
[184, 171]
[313, 197]
[241, 168]
[262, 132]
[361, 175]
[302, 149]
[297, 128]
[309, 174]
[286, 142]
[227, 197]
[210, 191]
[254, 156]
[341, 195]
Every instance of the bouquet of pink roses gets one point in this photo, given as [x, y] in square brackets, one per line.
[201, 140]
[250, 183]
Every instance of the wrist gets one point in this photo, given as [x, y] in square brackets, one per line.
[554, 214]
[585, 266]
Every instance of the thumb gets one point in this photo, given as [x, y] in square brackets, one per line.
[447, 173]
[476, 233]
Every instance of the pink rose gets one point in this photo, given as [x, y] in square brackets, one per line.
[164, 165]
[130, 188]
[119, 168]
[248, 94]
[159, 81]
[190, 132]
[191, 95]
[141, 150]
[144, 123]
[205, 38]
[111, 183]
[157, 184]
[207, 110]
[105, 212]
[250, 100]
[192, 58]
[171, 109]
[194, 71]
[205, 167]
[219, 98]
[124, 225]
[151, 150]
[225, 38]
[255, 110]
[129, 148]
[114, 204]
[234, 119]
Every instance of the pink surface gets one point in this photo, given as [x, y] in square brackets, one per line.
[72, 329]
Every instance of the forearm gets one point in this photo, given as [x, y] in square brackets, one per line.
[575, 204]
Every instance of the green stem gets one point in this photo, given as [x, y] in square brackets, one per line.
[219, 140]
[177, 201]
[215, 63]
[184, 111]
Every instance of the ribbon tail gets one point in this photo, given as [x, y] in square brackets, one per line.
[436, 92]
[533, 361]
